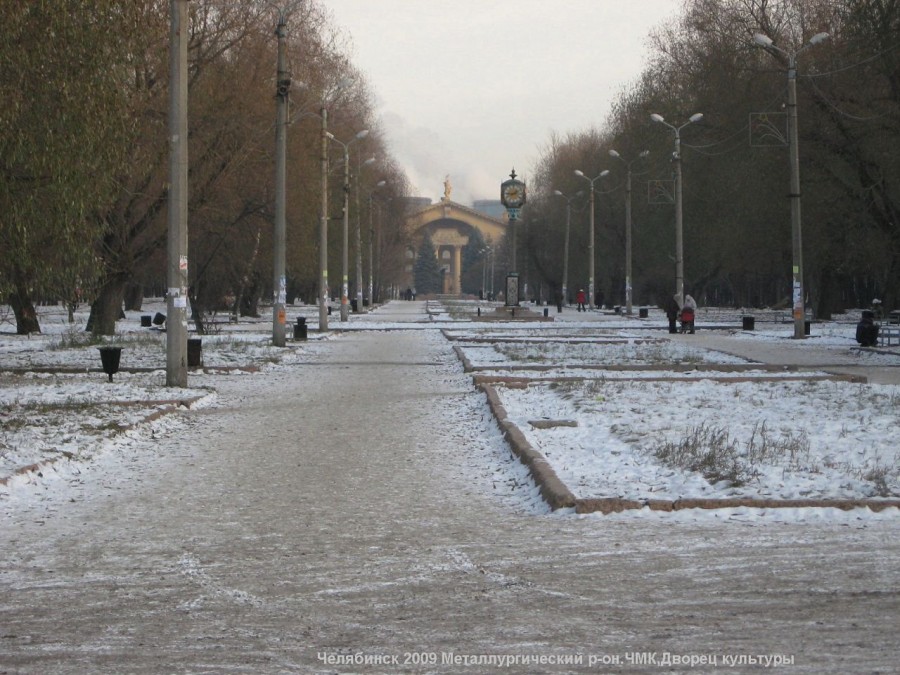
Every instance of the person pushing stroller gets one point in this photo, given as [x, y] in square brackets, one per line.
[688, 313]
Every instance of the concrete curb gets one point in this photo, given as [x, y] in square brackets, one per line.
[558, 496]
[552, 489]
[171, 406]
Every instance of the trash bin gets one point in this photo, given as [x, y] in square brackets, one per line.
[159, 319]
[109, 359]
[643, 312]
[195, 352]
[354, 306]
[300, 328]
[806, 327]
[748, 322]
[146, 321]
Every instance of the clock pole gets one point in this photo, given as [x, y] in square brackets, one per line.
[512, 195]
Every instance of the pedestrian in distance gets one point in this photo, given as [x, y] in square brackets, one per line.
[867, 329]
[672, 309]
[580, 298]
[688, 312]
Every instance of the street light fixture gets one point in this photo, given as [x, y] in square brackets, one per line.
[628, 279]
[345, 258]
[565, 279]
[799, 308]
[602, 174]
[679, 227]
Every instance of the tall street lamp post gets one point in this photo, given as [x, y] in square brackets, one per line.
[282, 92]
[766, 43]
[177, 267]
[565, 277]
[628, 275]
[591, 284]
[345, 256]
[358, 238]
[679, 228]
[371, 288]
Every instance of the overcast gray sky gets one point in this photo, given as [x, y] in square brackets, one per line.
[473, 88]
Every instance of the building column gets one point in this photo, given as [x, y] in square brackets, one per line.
[457, 270]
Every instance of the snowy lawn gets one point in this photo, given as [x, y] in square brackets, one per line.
[670, 440]
[606, 350]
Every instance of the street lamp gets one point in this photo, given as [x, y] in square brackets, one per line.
[282, 93]
[379, 184]
[565, 279]
[766, 43]
[580, 174]
[628, 285]
[679, 228]
[177, 233]
[345, 258]
[358, 237]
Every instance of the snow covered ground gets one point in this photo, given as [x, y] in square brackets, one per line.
[627, 427]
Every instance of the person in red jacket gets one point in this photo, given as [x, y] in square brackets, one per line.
[580, 298]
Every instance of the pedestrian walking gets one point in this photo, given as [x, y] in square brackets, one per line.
[867, 329]
[580, 298]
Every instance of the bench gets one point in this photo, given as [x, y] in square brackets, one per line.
[888, 334]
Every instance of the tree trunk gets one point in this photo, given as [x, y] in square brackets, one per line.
[23, 308]
[107, 307]
[134, 297]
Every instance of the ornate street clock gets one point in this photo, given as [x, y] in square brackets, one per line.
[512, 194]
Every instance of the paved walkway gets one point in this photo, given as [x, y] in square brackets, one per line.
[348, 507]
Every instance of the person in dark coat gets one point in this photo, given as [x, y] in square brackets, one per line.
[867, 329]
[672, 308]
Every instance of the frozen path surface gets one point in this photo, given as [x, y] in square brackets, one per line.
[353, 505]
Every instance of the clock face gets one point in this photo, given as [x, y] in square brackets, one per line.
[513, 195]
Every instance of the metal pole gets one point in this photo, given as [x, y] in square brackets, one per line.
[591, 253]
[345, 259]
[279, 284]
[371, 258]
[177, 273]
[679, 227]
[565, 279]
[796, 236]
[628, 242]
[323, 230]
[493, 257]
[512, 225]
[358, 237]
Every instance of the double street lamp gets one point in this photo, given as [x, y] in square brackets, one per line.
[766, 43]
[580, 174]
[345, 257]
[628, 284]
[565, 279]
[679, 228]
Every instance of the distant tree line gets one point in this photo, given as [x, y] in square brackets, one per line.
[84, 154]
[737, 223]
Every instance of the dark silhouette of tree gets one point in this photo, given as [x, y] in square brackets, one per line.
[426, 271]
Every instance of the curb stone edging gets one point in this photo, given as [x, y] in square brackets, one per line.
[171, 406]
[552, 489]
[558, 496]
